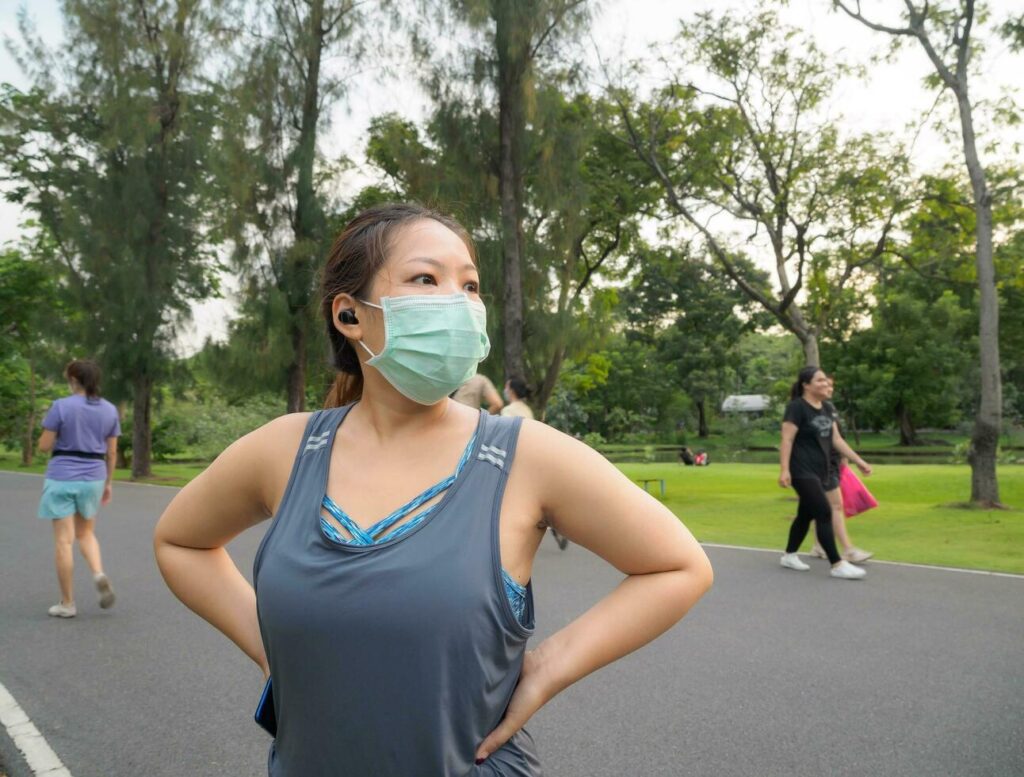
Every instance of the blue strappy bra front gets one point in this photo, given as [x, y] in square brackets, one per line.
[379, 533]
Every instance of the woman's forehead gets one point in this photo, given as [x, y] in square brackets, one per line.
[427, 239]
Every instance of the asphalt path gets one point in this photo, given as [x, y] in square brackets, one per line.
[913, 671]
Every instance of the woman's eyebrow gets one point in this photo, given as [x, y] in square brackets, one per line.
[439, 264]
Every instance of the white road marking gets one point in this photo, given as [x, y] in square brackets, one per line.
[26, 737]
[879, 561]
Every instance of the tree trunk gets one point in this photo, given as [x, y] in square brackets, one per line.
[122, 460]
[809, 341]
[141, 432]
[512, 68]
[988, 422]
[297, 370]
[550, 379]
[908, 434]
[702, 420]
[307, 226]
[28, 442]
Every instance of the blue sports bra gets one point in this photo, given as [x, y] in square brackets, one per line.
[379, 531]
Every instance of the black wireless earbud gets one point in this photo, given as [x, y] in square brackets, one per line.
[348, 316]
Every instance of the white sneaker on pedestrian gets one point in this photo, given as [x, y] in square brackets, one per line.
[106, 591]
[857, 556]
[817, 551]
[792, 561]
[61, 610]
[844, 570]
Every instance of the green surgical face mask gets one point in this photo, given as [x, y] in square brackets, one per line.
[432, 343]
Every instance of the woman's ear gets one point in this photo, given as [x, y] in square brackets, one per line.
[343, 313]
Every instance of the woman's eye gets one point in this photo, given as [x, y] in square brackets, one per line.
[424, 279]
[472, 287]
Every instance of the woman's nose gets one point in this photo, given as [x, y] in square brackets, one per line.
[450, 287]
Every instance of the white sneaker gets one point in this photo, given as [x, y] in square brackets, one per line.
[792, 561]
[817, 551]
[61, 610]
[106, 592]
[844, 570]
[857, 556]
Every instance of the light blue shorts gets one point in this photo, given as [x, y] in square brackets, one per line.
[62, 498]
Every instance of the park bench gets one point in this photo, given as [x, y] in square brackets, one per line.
[659, 481]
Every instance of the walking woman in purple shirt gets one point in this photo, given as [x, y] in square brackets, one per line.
[81, 432]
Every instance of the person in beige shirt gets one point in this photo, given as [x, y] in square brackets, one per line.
[517, 392]
[477, 392]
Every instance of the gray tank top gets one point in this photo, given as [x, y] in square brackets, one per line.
[395, 659]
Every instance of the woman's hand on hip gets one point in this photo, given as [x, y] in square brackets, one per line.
[530, 695]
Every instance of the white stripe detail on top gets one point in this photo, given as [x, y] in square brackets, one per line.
[493, 449]
[498, 462]
[316, 442]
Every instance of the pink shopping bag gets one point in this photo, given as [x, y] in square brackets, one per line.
[856, 497]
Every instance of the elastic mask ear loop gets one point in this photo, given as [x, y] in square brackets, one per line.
[365, 346]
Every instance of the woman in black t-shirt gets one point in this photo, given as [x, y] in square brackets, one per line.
[848, 550]
[808, 436]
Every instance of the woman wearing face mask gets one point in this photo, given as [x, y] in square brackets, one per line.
[809, 434]
[516, 393]
[393, 600]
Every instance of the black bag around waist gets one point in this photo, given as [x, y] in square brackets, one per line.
[80, 454]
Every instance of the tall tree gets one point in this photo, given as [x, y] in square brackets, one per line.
[283, 97]
[582, 212]
[739, 139]
[518, 31]
[584, 218]
[944, 33]
[110, 149]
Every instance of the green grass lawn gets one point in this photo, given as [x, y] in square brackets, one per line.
[741, 504]
[163, 474]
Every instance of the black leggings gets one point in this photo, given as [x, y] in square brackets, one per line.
[814, 506]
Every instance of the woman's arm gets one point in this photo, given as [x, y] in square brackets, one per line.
[111, 460]
[241, 488]
[789, 431]
[845, 450]
[46, 440]
[593, 504]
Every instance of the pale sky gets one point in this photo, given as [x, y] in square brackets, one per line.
[892, 97]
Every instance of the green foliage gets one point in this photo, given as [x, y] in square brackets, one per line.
[911, 365]
[622, 393]
[706, 316]
[31, 308]
[200, 430]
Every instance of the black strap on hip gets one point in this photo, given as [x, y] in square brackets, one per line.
[80, 454]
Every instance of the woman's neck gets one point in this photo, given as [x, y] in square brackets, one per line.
[814, 402]
[387, 414]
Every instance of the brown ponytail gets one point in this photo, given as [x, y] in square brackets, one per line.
[354, 260]
[87, 374]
